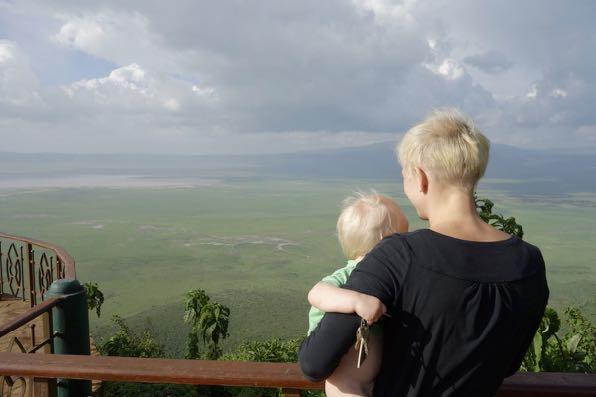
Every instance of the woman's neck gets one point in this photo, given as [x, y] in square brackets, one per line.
[452, 211]
[451, 206]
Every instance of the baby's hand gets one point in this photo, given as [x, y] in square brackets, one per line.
[369, 308]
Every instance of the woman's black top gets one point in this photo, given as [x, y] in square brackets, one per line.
[463, 314]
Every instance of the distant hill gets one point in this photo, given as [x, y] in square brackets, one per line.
[534, 171]
[518, 170]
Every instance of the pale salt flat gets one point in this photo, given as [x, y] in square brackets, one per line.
[98, 181]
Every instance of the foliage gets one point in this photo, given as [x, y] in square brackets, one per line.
[573, 352]
[270, 350]
[508, 225]
[209, 320]
[126, 343]
[94, 298]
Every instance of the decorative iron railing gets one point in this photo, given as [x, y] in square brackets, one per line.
[8, 383]
[28, 267]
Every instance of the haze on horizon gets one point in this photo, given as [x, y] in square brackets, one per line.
[204, 77]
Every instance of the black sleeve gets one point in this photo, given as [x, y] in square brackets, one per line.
[322, 350]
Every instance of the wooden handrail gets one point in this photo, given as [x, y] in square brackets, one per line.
[67, 260]
[156, 370]
[29, 315]
[245, 374]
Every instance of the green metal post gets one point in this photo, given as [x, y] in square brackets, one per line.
[70, 321]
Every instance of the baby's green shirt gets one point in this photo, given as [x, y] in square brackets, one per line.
[337, 278]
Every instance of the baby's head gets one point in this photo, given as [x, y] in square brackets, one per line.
[365, 220]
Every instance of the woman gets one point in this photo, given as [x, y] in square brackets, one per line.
[465, 299]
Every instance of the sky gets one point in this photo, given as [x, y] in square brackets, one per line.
[269, 76]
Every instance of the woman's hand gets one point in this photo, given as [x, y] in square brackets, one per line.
[369, 308]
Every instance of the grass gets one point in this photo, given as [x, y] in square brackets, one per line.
[255, 246]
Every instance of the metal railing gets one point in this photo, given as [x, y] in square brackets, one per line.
[8, 382]
[28, 267]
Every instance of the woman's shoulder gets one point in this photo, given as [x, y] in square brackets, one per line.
[397, 246]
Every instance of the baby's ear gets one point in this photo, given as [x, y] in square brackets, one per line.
[406, 224]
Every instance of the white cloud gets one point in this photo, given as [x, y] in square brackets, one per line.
[106, 34]
[83, 33]
[387, 11]
[448, 68]
[18, 84]
[558, 93]
[533, 93]
[132, 87]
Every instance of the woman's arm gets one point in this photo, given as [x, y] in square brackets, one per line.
[322, 350]
[329, 298]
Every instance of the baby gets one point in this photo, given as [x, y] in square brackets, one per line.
[364, 221]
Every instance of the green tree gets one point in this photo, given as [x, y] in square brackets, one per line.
[575, 351]
[508, 225]
[209, 322]
[94, 297]
[126, 343]
[273, 350]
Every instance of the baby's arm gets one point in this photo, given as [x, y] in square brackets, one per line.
[330, 298]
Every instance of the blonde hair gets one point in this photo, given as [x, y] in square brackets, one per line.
[365, 220]
[449, 146]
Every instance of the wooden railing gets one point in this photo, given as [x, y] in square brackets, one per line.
[44, 369]
[28, 267]
[246, 374]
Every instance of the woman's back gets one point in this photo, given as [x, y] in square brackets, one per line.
[463, 312]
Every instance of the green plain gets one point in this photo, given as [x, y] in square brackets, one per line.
[256, 246]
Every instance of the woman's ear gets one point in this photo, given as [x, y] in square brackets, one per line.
[422, 180]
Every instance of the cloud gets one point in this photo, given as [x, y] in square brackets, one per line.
[133, 88]
[489, 61]
[210, 76]
[18, 84]
[448, 68]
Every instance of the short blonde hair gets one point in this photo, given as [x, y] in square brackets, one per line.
[449, 146]
[365, 220]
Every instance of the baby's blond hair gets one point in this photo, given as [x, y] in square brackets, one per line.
[365, 220]
[448, 146]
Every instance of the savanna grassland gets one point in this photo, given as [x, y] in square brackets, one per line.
[256, 246]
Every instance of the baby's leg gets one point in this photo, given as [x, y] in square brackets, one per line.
[347, 380]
